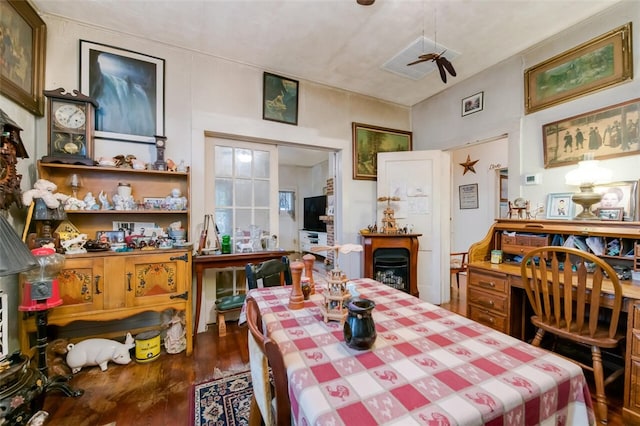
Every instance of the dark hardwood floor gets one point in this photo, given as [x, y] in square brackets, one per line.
[158, 392]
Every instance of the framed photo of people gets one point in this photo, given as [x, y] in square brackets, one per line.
[559, 206]
[607, 132]
[623, 195]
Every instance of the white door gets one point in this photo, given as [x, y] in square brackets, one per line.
[421, 179]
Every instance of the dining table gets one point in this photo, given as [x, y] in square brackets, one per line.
[427, 366]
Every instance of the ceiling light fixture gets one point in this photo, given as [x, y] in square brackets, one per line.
[365, 2]
[443, 63]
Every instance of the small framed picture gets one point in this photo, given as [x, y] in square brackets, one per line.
[154, 203]
[610, 213]
[560, 206]
[468, 196]
[472, 104]
[111, 237]
[280, 99]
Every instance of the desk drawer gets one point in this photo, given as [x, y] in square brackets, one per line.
[487, 280]
[488, 300]
[522, 244]
[488, 318]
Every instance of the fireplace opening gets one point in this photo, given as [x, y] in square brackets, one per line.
[391, 267]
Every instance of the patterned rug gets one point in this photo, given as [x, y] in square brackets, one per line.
[223, 401]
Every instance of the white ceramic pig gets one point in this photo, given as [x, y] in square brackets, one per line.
[98, 352]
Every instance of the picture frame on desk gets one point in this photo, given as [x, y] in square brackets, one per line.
[620, 194]
[560, 206]
[104, 70]
[611, 213]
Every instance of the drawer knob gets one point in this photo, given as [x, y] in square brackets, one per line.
[488, 283]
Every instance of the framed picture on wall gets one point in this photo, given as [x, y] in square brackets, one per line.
[560, 206]
[468, 196]
[23, 40]
[604, 61]
[129, 89]
[280, 99]
[368, 141]
[473, 103]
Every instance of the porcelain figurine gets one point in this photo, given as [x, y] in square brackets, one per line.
[99, 352]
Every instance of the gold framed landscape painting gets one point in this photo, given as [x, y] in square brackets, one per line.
[368, 141]
[602, 62]
[23, 36]
[608, 132]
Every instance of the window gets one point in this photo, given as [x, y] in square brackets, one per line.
[287, 203]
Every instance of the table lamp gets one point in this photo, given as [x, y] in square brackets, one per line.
[15, 256]
[588, 174]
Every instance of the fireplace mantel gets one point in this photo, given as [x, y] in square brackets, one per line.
[374, 241]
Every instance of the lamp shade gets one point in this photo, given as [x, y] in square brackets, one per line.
[15, 256]
[589, 172]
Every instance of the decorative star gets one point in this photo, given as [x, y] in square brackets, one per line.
[468, 165]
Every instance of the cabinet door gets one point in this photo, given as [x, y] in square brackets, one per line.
[155, 278]
[81, 284]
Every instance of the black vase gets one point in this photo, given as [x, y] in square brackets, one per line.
[359, 329]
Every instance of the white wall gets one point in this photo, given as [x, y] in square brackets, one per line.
[438, 124]
[471, 225]
[204, 93]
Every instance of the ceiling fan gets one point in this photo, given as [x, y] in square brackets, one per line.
[443, 63]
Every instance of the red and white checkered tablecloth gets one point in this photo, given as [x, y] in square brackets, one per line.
[428, 366]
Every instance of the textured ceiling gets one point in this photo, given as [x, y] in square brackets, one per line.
[338, 42]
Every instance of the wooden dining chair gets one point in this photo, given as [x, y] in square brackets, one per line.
[458, 264]
[270, 401]
[567, 304]
[269, 273]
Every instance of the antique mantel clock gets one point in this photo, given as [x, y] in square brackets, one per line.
[70, 127]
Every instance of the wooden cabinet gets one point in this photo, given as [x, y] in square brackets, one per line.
[496, 297]
[110, 286]
[631, 410]
[145, 185]
[311, 239]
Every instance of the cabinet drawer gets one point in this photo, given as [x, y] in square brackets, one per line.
[488, 300]
[636, 316]
[488, 318]
[522, 244]
[487, 280]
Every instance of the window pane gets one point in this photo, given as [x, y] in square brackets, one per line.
[243, 163]
[224, 220]
[224, 192]
[244, 193]
[260, 164]
[261, 193]
[224, 161]
[261, 219]
[243, 219]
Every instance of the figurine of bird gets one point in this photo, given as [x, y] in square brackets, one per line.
[442, 63]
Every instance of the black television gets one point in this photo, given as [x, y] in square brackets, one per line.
[314, 207]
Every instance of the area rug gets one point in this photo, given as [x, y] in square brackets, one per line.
[223, 401]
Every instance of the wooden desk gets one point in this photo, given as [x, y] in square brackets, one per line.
[495, 295]
[428, 365]
[214, 261]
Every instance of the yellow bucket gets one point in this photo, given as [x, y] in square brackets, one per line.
[147, 346]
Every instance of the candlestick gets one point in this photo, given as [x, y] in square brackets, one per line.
[296, 300]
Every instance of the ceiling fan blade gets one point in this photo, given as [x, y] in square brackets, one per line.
[447, 65]
[443, 75]
[417, 62]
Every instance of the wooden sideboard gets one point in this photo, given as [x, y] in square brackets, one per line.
[496, 298]
[373, 241]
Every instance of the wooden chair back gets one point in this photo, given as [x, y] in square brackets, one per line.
[458, 263]
[273, 272]
[567, 304]
[276, 362]
[573, 310]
